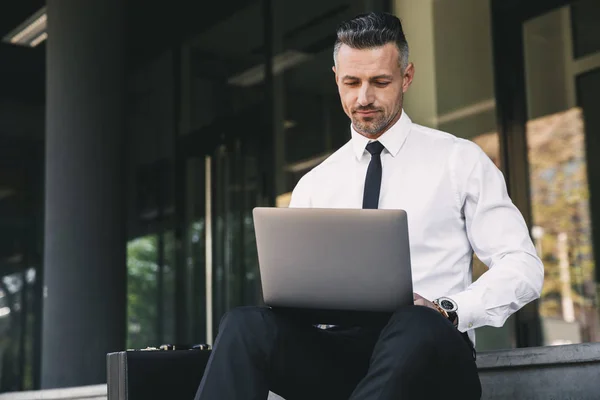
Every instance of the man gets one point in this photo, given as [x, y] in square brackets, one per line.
[456, 202]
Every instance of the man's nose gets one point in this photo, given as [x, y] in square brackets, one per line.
[365, 95]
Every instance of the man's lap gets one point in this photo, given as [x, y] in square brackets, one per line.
[310, 362]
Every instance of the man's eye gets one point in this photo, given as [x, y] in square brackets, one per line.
[352, 83]
[382, 84]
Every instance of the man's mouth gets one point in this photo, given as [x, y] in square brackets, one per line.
[366, 112]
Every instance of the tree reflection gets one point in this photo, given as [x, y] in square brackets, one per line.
[142, 291]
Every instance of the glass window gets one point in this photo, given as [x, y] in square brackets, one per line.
[16, 330]
[150, 297]
[196, 246]
[585, 27]
[588, 87]
[225, 124]
[10, 316]
[142, 292]
[168, 306]
[559, 179]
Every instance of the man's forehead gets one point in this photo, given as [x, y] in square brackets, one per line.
[377, 60]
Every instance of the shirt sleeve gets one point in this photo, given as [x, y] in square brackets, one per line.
[499, 236]
[301, 193]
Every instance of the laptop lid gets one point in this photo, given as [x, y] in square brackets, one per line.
[334, 259]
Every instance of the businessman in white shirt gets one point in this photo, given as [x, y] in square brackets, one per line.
[457, 204]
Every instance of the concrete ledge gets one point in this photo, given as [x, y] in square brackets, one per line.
[568, 372]
[93, 392]
[539, 356]
[540, 373]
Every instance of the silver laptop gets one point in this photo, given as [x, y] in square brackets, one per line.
[334, 259]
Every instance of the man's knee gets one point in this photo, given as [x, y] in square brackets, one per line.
[245, 321]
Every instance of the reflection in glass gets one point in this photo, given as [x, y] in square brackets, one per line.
[558, 177]
[235, 263]
[16, 330]
[142, 292]
[562, 231]
[143, 325]
[562, 226]
[10, 300]
[196, 262]
[168, 306]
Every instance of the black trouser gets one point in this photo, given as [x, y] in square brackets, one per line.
[417, 355]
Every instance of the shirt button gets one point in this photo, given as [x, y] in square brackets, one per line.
[470, 324]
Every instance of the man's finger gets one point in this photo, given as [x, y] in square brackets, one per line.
[420, 302]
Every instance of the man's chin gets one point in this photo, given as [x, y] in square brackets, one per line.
[369, 133]
[367, 129]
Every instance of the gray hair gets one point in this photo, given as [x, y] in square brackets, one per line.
[372, 30]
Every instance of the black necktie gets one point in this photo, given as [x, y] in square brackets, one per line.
[373, 179]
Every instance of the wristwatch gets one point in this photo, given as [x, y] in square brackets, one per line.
[449, 308]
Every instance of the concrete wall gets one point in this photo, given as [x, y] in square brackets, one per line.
[420, 101]
[464, 67]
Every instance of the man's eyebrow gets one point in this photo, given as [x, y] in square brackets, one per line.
[384, 76]
[373, 78]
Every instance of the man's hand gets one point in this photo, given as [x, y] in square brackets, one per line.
[421, 301]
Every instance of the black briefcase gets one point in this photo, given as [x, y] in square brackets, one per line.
[168, 372]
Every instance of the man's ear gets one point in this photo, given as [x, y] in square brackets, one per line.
[409, 74]
[334, 72]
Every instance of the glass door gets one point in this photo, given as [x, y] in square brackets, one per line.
[222, 188]
[235, 193]
[225, 107]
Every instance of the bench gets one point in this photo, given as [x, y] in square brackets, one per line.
[568, 372]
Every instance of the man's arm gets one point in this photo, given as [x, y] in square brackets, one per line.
[500, 238]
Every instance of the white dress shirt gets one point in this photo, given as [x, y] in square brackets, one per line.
[456, 201]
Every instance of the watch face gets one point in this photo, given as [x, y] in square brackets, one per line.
[448, 305]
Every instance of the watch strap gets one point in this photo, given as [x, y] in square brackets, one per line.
[441, 310]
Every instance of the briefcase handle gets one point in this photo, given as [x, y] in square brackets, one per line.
[172, 347]
[175, 347]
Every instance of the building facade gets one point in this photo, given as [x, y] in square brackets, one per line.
[137, 139]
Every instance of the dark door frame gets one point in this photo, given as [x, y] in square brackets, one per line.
[508, 17]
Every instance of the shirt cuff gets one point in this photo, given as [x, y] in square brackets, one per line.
[471, 311]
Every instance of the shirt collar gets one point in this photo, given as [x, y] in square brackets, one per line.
[392, 139]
